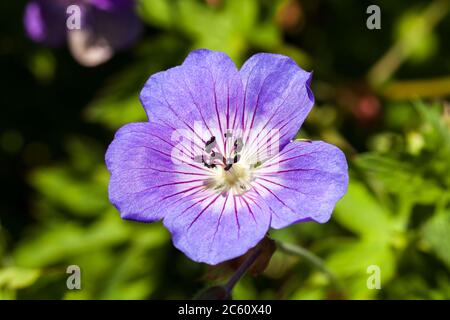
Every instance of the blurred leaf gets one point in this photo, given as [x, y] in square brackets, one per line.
[308, 293]
[61, 241]
[400, 177]
[245, 290]
[132, 277]
[195, 19]
[416, 37]
[64, 189]
[350, 263]
[360, 212]
[17, 278]
[150, 236]
[157, 12]
[42, 64]
[418, 88]
[437, 234]
[115, 113]
[413, 287]
[440, 131]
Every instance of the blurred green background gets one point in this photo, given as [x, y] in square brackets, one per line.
[380, 96]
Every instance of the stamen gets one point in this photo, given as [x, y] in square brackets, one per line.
[210, 144]
[238, 144]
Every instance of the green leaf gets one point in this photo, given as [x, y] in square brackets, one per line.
[360, 212]
[436, 233]
[351, 261]
[62, 241]
[157, 12]
[68, 191]
[400, 177]
[18, 278]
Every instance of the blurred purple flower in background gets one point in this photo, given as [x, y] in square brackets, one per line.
[218, 190]
[107, 26]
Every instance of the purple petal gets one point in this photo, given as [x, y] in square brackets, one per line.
[303, 183]
[277, 96]
[219, 227]
[143, 174]
[206, 89]
[45, 21]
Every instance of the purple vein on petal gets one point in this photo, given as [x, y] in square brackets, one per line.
[249, 209]
[182, 192]
[268, 205]
[272, 116]
[236, 215]
[292, 170]
[218, 117]
[178, 116]
[245, 96]
[192, 141]
[188, 197]
[283, 186]
[203, 210]
[276, 197]
[171, 156]
[219, 219]
[198, 108]
[289, 159]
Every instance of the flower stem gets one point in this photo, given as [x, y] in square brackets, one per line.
[242, 269]
[405, 46]
[312, 259]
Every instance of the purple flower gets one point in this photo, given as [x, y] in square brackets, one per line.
[106, 26]
[216, 161]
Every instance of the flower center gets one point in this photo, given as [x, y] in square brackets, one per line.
[230, 173]
[237, 178]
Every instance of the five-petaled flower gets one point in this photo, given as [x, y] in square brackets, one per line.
[219, 191]
[106, 26]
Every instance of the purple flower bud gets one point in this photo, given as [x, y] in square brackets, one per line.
[105, 26]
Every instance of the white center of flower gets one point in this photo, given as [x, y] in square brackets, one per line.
[236, 179]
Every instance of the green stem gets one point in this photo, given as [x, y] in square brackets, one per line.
[403, 48]
[312, 259]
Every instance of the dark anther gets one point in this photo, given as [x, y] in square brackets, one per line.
[236, 158]
[211, 143]
[209, 165]
[238, 145]
[228, 167]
